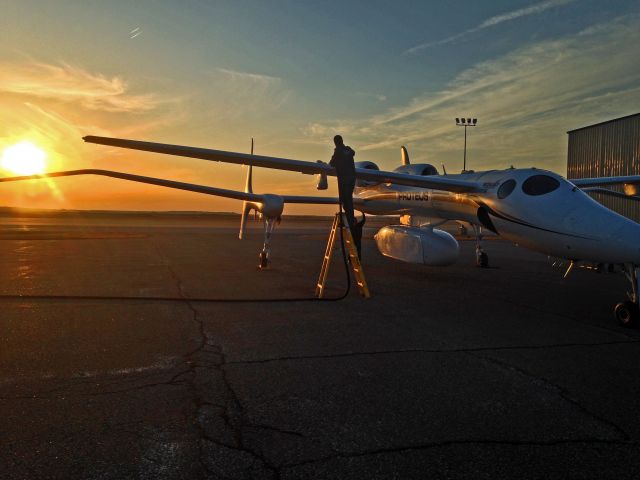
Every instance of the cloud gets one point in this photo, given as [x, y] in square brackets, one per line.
[377, 96]
[255, 78]
[250, 92]
[492, 22]
[67, 83]
[241, 99]
[525, 101]
[55, 105]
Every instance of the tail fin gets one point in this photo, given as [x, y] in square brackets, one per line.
[405, 156]
[248, 188]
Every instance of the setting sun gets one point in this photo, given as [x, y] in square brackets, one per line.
[24, 158]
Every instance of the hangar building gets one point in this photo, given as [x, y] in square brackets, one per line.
[607, 149]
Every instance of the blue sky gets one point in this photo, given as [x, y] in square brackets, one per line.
[293, 74]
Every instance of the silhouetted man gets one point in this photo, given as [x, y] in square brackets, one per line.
[342, 161]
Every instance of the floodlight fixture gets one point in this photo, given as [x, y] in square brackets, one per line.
[465, 122]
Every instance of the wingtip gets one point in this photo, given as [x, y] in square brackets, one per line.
[94, 139]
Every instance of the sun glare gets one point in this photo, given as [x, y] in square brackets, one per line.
[24, 158]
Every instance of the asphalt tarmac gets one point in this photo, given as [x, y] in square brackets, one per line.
[455, 372]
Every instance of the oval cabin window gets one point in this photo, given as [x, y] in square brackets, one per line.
[540, 185]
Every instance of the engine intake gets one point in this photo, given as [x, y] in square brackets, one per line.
[368, 166]
[431, 247]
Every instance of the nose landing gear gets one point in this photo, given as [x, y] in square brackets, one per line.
[264, 260]
[482, 259]
[628, 313]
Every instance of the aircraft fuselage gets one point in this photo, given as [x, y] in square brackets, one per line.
[534, 208]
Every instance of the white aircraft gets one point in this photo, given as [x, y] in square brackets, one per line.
[534, 208]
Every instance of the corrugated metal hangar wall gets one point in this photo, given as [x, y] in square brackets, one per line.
[607, 149]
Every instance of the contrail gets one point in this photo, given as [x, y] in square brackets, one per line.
[493, 21]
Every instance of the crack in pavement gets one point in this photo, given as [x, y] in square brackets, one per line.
[623, 436]
[237, 423]
[425, 350]
[462, 442]
[232, 412]
[274, 429]
[618, 331]
[562, 392]
[46, 395]
[208, 359]
[91, 377]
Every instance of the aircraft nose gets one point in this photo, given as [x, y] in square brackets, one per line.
[618, 237]
[628, 239]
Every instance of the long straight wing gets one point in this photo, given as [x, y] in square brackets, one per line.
[601, 181]
[191, 187]
[434, 182]
[221, 192]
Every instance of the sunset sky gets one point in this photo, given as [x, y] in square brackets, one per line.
[292, 74]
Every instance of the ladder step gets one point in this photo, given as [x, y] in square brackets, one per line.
[353, 257]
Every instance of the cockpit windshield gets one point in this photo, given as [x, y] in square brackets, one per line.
[506, 188]
[540, 185]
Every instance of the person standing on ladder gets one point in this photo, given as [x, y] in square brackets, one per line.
[342, 161]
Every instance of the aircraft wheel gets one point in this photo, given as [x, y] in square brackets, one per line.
[264, 261]
[626, 313]
[482, 260]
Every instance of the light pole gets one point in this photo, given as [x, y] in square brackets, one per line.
[466, 122]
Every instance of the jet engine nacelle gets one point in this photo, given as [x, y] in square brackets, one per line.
[369, 166]
[426, 246]
[420, 169]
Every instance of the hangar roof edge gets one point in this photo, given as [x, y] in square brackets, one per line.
[605, 122]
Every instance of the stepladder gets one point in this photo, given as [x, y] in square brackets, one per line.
[340, 222]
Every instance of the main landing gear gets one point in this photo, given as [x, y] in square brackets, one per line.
[628, 312]
[269, 225]
[482, 259]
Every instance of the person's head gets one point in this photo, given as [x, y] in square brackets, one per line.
[338, 140]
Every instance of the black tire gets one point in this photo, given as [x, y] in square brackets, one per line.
[626, 313]
[264, 261]
[483, 260]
